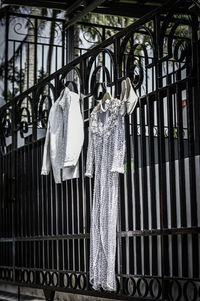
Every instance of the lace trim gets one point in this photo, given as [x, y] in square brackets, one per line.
[100, 128]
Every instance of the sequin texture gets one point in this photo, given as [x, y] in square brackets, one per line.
[106, 151]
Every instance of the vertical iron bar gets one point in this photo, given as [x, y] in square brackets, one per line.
[161, 145]
[70, 44]
[144, 217]
[27, 60]
[28, 191]
[20, 70]
[63, 59]
[6, 57]
[172, 183]
[117, 73]
[43, 71]
[84, 106]
[68, 222]
[181, 161]
[42, 199]
[56, 58]
[150, 114]
[35, 50]
[21, 192]
[34, 187]
[191, 141]
[13, 72]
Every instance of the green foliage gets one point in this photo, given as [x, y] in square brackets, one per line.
[10, 95]
[106, 20]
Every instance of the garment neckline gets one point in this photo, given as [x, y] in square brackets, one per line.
[106, 105]
[99, 127]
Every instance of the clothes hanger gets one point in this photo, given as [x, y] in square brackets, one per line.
[123, 90]
[106, 95]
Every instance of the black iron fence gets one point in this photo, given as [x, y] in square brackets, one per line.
[44, 227]
[34, 45]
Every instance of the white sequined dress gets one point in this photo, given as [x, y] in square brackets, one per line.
[105, 156]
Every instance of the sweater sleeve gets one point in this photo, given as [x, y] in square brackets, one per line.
[46, 163]
[75, 133]
[90, 156]
[119, 148]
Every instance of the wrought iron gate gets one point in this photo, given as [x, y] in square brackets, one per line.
[44, 227]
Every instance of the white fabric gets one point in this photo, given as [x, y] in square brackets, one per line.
[128, 97]
[64, 138]
[106, 151]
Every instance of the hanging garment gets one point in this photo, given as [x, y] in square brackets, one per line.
[106, 151]
[128, 97]
[64, 138]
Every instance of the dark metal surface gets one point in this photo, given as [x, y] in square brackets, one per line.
[44, 227]
[26, 49]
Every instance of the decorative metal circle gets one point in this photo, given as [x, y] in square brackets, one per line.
[23, 113]
[44, 118]
[91, 63]
[54, 278]
[185, 291]
[47, 278]
[7, 273]
[73, 280]
[135, 72]
[25, 276]
[66, 281]
[166, 132]
[181, 51]
[129, 286]
[152, 288]
[138, 130]
[19, 275]
[44, 106]
[3, 274]
[98, 34]
[117, 285]
[81, 281]
[41, 278]
[31, 276]
[155, 131]
[11, 275]
[95, 86]
[145, 283]
[170, 293]
[23, 128]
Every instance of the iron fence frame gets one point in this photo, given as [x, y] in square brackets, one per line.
[130, 286]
